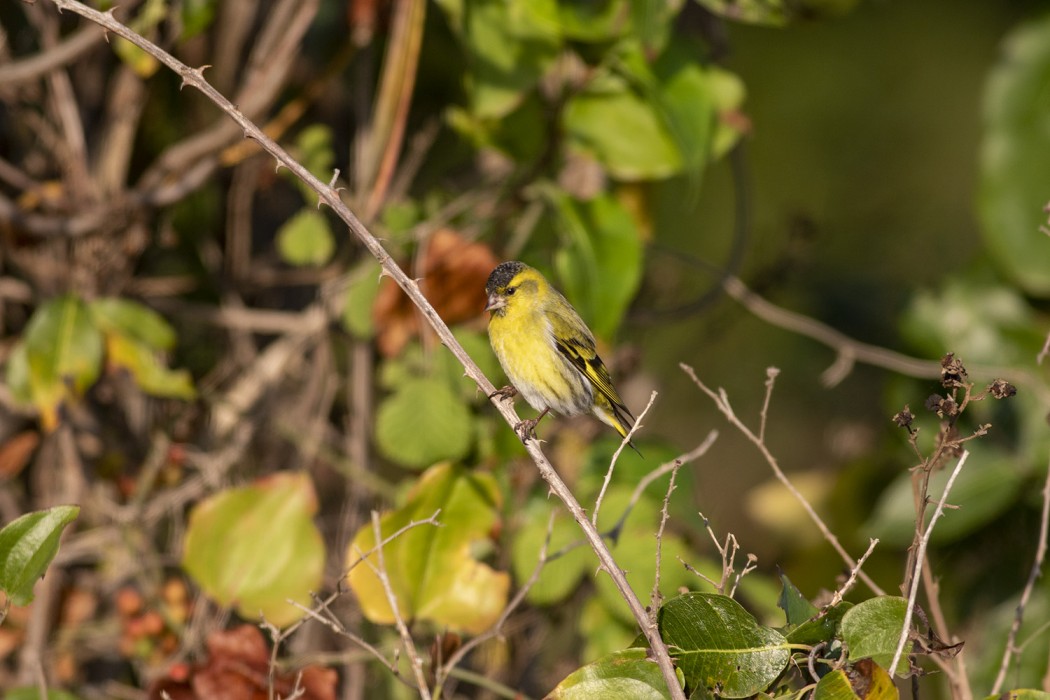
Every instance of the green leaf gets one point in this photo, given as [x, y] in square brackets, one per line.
[764, 12]
[423, 422]
[1014, 171]
[559, 577]
[646, 121]
[306, 239]
[864, 680]
[134, 320]
[720, 646]
[601, 266]
[510, 44]
[16, 375]
[621, 129]
[361, 292]
[28, 544]
[432, 569]
[871, 629]
[255, 547]
[820, 629]
[133, 333]
[64, 355]
[622, 674]
[796, 606]
[988, 484]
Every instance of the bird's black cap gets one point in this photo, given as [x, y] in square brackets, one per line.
[503, 274]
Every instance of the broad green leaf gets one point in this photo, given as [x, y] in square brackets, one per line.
[64, 355]
[820, 629]
[114, 315]
[561, 576]
[765, 12]
[255, 547]
[623, 674]
[989, 482]
[720, 646]
[423, 422]
[1014, 171]
[871, 629]
[510, 44]
[16, 375]
[622, 130]
[864, 680]
[1021, 694]
[797, 608]
[600, 268]
[432, 569]
[727, 94]
[603, 631]
[646, 120]
[599, 20]
[27, 546]
[306, 239]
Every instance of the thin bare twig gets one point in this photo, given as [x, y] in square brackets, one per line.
[616, 456]
[414, 661]
[852, 579]
[722, 403]
[920, 558]
[1026, 594]
[655, 598]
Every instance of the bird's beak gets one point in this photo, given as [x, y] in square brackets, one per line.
[495, 302]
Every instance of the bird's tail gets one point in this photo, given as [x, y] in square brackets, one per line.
[616, 416]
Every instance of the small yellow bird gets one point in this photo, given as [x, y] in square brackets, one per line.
[547, 351]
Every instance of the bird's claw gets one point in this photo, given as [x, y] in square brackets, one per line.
[507, 392]
[526, 429]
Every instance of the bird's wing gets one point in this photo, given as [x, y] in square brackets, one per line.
[583, 356]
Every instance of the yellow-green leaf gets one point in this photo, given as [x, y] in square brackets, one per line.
[255, 547]
[432, 570]
[63, 354]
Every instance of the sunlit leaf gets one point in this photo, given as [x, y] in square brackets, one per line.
[720, 646]
[423, 422]
[864, 680]
[432, 570]
[28, 544]
[306, 239]
[1014, 171]
[255, 547]
[872, 629]
[623, 674]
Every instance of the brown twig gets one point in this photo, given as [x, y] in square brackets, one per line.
[616, 456]
[722, 403]
[1033, 576]
[655, 598]
[920, 558]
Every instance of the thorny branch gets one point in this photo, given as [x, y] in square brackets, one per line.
[329, 196]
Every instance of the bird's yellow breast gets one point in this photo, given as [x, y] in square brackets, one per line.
[524, 344]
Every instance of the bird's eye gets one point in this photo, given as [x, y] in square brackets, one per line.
[511, 290]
